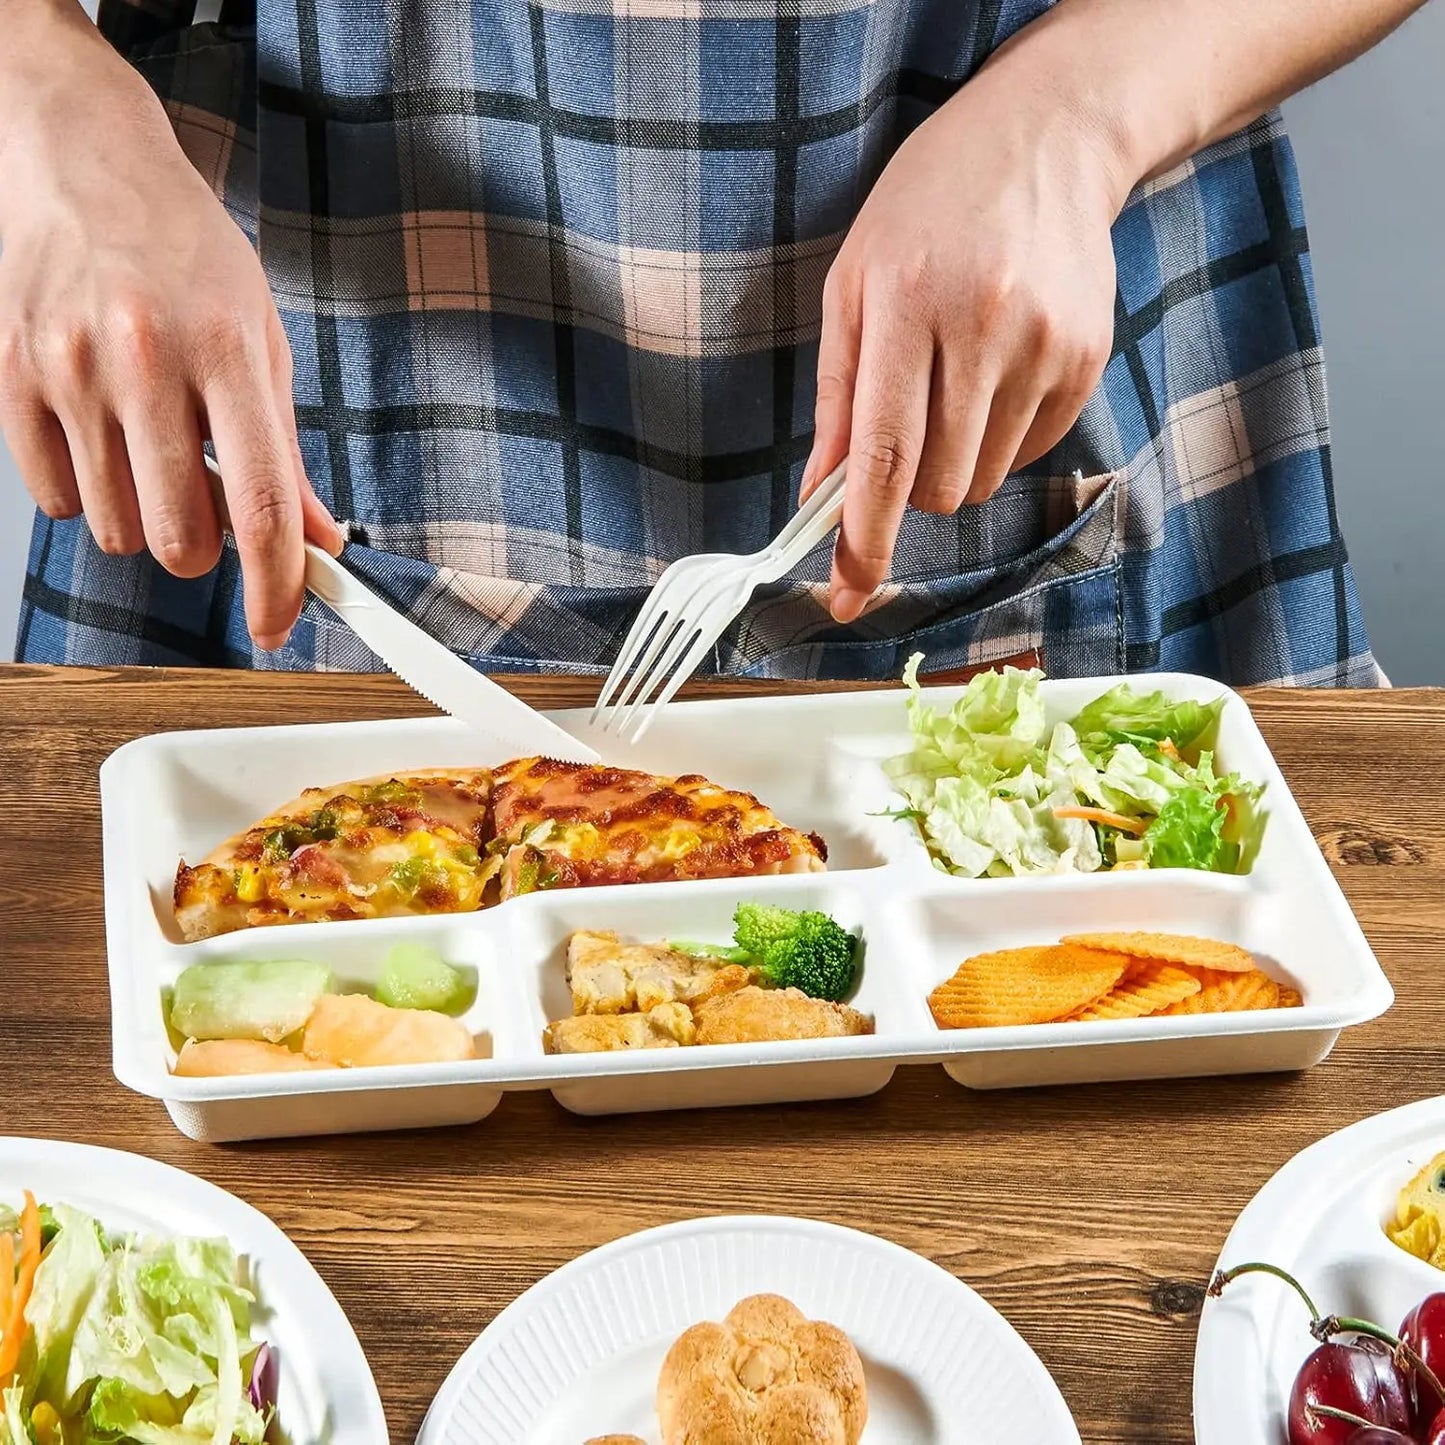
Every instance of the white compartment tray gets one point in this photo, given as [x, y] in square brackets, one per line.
[815, 761]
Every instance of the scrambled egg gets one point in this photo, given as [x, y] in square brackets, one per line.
[1419, 1223]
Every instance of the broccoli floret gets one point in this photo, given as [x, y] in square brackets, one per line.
[807, 951]
[758, 927]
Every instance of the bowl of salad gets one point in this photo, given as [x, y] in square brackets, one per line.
[166, 1313]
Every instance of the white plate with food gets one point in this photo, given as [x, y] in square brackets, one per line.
[856, 1334]
[961, 839]
[1358, 1219]
[140, 1299]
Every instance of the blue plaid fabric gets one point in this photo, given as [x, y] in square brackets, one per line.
[551, 273]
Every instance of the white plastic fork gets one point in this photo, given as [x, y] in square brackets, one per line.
[689, 607]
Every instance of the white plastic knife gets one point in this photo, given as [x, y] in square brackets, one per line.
[430, 668]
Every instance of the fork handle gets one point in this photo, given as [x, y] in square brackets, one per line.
[813, 521]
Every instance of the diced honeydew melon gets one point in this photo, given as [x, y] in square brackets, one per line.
[264, 999]
[417, 977]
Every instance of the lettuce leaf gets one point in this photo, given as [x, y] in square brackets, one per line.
[1188, 833]
[1123, 715]
[993, 728]
[13, 1429]
[64, 1284]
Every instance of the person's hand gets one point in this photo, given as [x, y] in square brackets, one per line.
[135, 322]
[967, 317]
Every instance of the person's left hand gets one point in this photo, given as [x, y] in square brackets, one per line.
[967, 317]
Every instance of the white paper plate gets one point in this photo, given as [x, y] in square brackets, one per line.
[326, 1393]
[1322, 1219]
[579, 1353]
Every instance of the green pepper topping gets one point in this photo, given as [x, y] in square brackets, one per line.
[324, 824]
[407, 875]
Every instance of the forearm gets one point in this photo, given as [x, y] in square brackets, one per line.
[1156, 80]
[68, 102]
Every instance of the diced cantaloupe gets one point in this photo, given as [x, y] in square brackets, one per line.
[212, 1057]
[357, 1032]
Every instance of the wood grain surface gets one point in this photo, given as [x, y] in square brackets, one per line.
[1089, 1216]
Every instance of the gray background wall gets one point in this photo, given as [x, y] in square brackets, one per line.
[1371, 145]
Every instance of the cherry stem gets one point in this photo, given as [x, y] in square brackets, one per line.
[1225, 1276]
[1331, 1325]
[1332, 1412]
[1405, 1356]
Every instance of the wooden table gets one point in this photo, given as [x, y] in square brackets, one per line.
[1089, 1216]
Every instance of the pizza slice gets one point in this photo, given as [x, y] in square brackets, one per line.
[380, 847]
[582, 825]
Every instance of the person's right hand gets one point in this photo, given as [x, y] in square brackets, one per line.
[135, 323]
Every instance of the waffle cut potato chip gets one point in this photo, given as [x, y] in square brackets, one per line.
[1147, 988]
[1025, 986]
[1227, 993]
[1090, 977]
[1179, 948]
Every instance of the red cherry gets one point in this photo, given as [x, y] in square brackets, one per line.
[1377, 1435]
[1424, 1331]
[1435, 1435]
[1360, 1379]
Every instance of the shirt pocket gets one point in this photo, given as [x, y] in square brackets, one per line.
[1059, 604]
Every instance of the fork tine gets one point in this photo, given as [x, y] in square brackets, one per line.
[699, 606]
[683, 595]
[662, 639]
[709, 629]
[644, 627]
[669, 594]
[677, 644]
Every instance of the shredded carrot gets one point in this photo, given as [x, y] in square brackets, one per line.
[1168, 749]
[7, 1273]
[14, 1332]
[1136, 826]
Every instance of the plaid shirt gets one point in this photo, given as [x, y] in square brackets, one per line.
[551, 273]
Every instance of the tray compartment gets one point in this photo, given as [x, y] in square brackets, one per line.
[352, 1100]
[195, 790]
[951, 923]
[726, 1073]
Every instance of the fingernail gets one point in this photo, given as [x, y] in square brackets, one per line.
[272, 641]
[848, 605]
[806, 482]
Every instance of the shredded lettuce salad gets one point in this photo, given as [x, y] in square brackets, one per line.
[1127, 783]
[109, 1339]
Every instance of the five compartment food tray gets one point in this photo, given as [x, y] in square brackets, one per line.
[816, 761]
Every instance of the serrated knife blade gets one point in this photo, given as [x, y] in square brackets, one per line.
[436, 672]
[424, 664]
